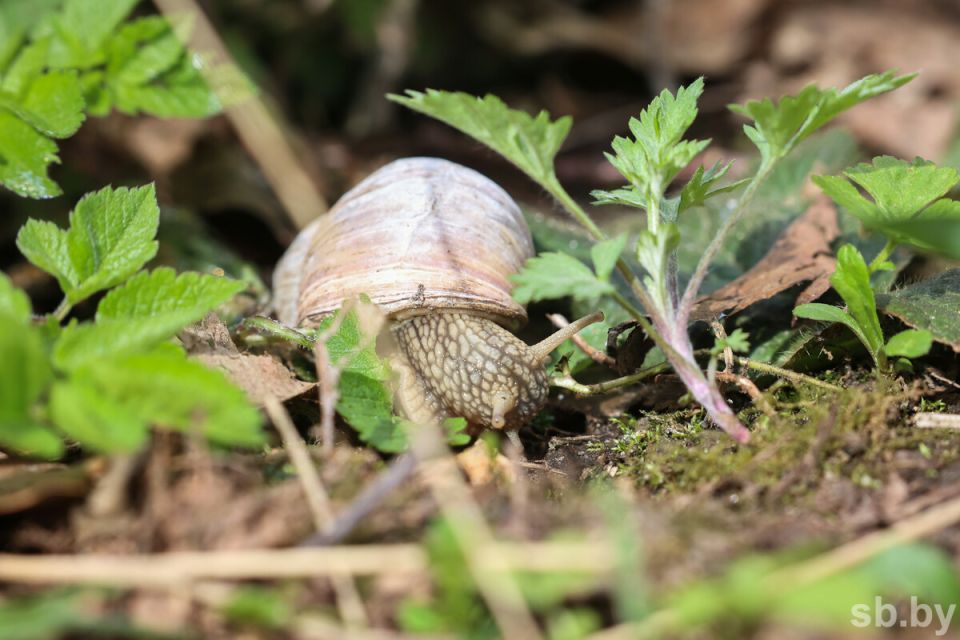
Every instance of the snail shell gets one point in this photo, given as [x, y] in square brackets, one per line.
[418, 235]
[433, 244]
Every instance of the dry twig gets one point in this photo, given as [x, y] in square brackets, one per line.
[174, 570]
[259, 130]
[499, 590]
[349, 602]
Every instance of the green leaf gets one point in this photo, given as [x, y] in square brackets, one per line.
[26, 67]
[80, 409]
[111, 236]
[701, 186]
[24, 378]
[934, 236]
[852, 281]
[14, 302]
[25, 156]
[530, 143]
[931, 305]
[738, 341]
[911, 343]
[898, 189]
[88, 23]
[142, 50]
[170, 96]
[53, 613]
[829, 313]
[556, 275]
[778, 127]
[54, 104]
[605, 255]
[107, 404]
[149, 308]
[150, 295]
[365, 402]
[656, 154]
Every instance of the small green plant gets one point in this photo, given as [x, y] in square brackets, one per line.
[104, 383]
[852, 281]
[61, 61]
[900, 200]
[649, 161]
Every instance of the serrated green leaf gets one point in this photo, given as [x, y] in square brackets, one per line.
[531, 143]
[24, 378]
[556, 275]
[187, 297]
[54, 104]
[148, 309]
[365, 402]
[898, 189]
[14, 302]
[26, 67]
[190, 98]
[702, 186]
[117, 397]
[624, 196]
[25, 156]
[142, 50]
[89, 23]
[366, 405]
[931, 305]
[911, 343]
[82, 411]
[656, 154]
[605, 255]
[852, 281]
[778, 127]
[111, 236]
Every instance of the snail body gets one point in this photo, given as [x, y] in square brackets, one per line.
[433, 244]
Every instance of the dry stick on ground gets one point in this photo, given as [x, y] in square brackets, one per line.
[174, 570]
[349, 602]
[258, 129]
[596, 355]
[842, 558]
[930, 420]
[499, 590]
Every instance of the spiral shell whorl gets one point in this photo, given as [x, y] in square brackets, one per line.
[418, 235]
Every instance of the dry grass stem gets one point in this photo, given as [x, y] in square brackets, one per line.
[179, 568]
[928, 420]
[259, 130]
[349, 602]
[499, 590]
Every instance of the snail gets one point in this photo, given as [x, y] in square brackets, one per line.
[433, 244]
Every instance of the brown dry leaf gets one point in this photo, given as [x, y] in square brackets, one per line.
[261, 376]
[801, 254]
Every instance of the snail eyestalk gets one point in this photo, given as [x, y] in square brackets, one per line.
[543, 348]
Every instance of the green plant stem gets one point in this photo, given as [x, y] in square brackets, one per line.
[581, 216]
[693, 287]
[60, 313]
[567, 381]
[882, 256]
[786, 374]
[278, 330]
